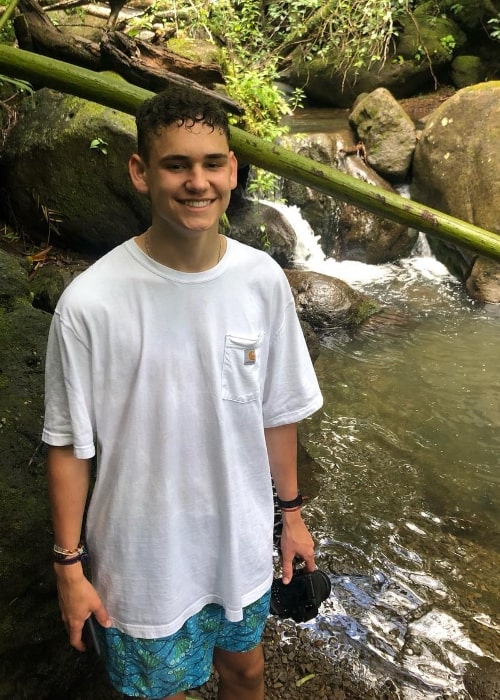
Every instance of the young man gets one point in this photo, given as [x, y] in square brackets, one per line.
[179, 359]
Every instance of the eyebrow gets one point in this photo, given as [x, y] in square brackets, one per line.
[187, 159]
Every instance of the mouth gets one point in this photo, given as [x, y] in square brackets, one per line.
[197, 203]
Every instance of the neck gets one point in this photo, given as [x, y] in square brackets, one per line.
[185, 255]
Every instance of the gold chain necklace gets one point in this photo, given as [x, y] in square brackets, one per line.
[148, 249]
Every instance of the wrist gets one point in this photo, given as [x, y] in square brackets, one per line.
[68, 573]
[291, 516]
[69, 557]
[292, 504]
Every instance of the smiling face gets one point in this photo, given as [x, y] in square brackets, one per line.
[189, 175]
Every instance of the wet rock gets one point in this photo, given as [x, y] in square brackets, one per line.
[327, 303]
[346, 231]
[262, 226]
[483, 283]
[483, 681]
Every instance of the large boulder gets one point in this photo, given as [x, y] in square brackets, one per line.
[424, 47]
[387, 132]
[456, 169]
[64, 173]
[346, 232]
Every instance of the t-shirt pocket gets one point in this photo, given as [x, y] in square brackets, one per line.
[240, 371]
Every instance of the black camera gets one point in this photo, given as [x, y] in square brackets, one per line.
[301, 598]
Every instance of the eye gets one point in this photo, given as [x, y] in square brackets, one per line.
[175, 167]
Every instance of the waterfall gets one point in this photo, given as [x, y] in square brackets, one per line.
[309, 256]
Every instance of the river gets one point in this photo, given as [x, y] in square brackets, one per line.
[406, 487]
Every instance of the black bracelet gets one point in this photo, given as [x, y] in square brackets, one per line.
[295, 503]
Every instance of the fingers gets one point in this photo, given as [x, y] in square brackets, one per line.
[102, 616]
[310, 564]
[75, 636]
[287, 569]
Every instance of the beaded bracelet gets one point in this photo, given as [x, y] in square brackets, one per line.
[291, 505]
[65, 557]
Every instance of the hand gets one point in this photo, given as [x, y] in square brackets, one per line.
[78, 599]
[296, 541]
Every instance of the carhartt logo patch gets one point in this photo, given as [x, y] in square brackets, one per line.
[250, 357]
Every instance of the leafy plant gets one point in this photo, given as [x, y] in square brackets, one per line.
[19, 85]
[264, 238]
[494, 23]
[99, 144]
[448, 42]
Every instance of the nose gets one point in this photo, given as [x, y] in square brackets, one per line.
[197, 180]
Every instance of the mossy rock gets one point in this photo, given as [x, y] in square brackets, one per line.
[467, 70]
[429, 37]
[80, 194]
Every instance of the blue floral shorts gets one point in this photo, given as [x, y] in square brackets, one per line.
[158, 668]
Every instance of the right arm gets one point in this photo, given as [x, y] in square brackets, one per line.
[69, 479]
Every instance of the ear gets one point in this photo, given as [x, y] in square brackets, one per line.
[233, 163]
[138, 173]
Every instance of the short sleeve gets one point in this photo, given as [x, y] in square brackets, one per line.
[291, 391]
[68, 392]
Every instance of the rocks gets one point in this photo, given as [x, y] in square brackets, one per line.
[346, 231]
[329, 304]
[387, 132]
[262, 226]
[483, 681]
[456, 170]
[79, 194]
[467, 70]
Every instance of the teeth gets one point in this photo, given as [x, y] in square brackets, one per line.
[197, 202]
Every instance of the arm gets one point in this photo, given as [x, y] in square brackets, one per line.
[295, 539]
[68, 488]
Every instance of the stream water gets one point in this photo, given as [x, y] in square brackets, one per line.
[406, 507]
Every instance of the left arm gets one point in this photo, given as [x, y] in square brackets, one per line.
[296, 541]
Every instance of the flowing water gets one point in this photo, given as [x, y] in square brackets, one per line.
[406, 507]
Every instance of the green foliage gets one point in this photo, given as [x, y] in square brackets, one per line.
[448, 42]
[100, 145]
[7, 34]
[264, 238]
[257, 39]
[19, 85]
[9, 235]
[494, 27]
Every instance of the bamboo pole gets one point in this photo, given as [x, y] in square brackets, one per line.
[114, 92]
[8, 12]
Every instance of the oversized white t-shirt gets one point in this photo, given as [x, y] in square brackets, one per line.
[172, 377]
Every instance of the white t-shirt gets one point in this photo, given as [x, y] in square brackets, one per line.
[173, 377]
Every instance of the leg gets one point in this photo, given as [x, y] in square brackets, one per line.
[179, 696]
[241, 674]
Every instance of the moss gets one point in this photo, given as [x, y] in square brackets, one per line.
[367, 308]
[195, 50]
[486, 86]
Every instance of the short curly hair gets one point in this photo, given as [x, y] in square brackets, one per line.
[180, 106]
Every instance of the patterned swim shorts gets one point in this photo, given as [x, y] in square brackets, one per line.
[158, 668]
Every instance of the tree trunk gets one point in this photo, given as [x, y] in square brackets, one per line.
[108, 91]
